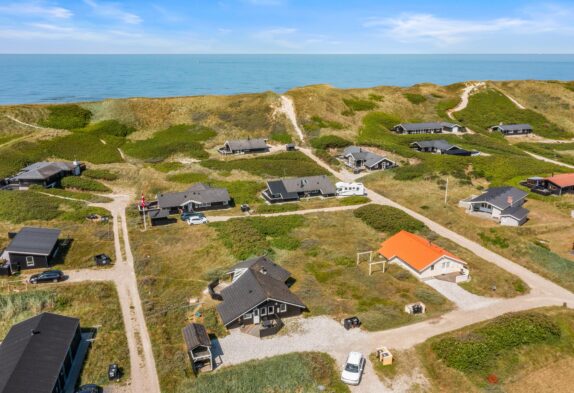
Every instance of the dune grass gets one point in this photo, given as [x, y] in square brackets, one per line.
[68, 116]
[84, 184]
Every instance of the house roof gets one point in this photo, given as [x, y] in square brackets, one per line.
[195, 336]
[371, 159]
[500, 197]
[513, 127]
[198, 193]
[33, 351]
[43, 170]
[562, 180]
[250, 290]
[247, 144]
[36, 241]
[425, 126]
[439, 144]
[290, 187]
[157, 214]
[264, 264]
[517, 212]
[416, 251]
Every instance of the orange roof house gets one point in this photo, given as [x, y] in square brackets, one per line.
[563, 180]
[418, 253]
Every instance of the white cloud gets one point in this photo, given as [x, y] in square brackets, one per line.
[113, 11]
[35, 9]
[446, 31]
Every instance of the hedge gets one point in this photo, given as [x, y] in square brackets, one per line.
[388, 219]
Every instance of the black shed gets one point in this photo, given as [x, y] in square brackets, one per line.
[32, 248]
[198, 345]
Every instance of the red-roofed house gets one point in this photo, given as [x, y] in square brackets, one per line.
[561, 184]
[422, 258]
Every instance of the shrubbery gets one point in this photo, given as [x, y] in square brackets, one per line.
[108, 127]
[358, 105]
[67, 117]
[415, 98]
[388, 219]
[84, 184]
[477, 350]
[330, 142]
[316, 123]
[100, 174]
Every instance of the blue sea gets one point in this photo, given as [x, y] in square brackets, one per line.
[67, 78]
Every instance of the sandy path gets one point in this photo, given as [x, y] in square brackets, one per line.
[288, 108]
[464, 98]
[295, 212]
[541, 158]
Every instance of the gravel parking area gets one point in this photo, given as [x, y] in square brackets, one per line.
[462, 298]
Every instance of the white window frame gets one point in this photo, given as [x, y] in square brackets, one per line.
[282, 308]
[247, 315]
[263, 311]
[30, 261]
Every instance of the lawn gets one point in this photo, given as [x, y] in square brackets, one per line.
[517, 352]
[287, 164]
[297, 372]
[96, 305]
[491, 107]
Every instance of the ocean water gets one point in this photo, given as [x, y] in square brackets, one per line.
[68, 78]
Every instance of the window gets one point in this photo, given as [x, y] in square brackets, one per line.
[263, 312]
[29, 261]
[271, 310]
[247, 315]
[282, 308]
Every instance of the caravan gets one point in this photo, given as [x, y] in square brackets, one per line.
[350, 189]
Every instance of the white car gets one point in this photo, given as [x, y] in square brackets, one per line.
[196, 220]
[353, 368]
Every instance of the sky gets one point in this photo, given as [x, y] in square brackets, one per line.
[286, 26]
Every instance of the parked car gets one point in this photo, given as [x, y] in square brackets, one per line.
[90, 388]
[47, 276]
[113, 372]
[102, 260]
[197, 220]
[187, 215]
[353, 368]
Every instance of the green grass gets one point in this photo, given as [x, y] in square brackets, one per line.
[181, 139]
[317, 123]
[553, 151]
[415, 98]
[84, 184]
[559, 269]
[67, 117]
[359, 105]
[354, 200]
[242, 191]
[83, 196]
[100, 174]
[443, 106]
[167, 166]
[96, 305]
[388, 219]
[490, 107]
[330, 142]
[188, 177]
[107, 127]
[247, 237]
[296, 372]
[287, 164]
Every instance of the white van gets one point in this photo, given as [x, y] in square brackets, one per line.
[350, 189]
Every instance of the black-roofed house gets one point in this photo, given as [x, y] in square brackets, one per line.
[258, 298]
[198, 346]
[358, 158]
[32, 248]
[512, 129]
[503, 204]
[45, 174]
[196, 198]
[427, 128]
[244, 146]
[43, 354]
[287, 190]
[441, 146]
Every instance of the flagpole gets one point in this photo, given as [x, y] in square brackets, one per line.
[143, 209]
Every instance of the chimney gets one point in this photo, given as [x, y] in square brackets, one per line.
[510, 200]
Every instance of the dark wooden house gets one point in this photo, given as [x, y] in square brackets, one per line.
[199, 197]
[45, 174]
[244, 146]
[258, 298]
[198, 346]
[286, 190]
[512, 129]
[32, 248]
[43, 354]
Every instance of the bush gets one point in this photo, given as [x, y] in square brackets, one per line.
[108, 127]
[317, 123]
[415, 98]
[354, 200]
[281, 137]
[330, 142]
[166, 167]
[477, 350]
[358, 105]
[100, 174]
[66, 117]
[84, 184]
[388, 219]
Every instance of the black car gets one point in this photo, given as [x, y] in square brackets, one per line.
[114, 372]
[90, 388]
[47, 276]
[102, 260]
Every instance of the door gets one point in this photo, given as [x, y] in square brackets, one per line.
[256, 316]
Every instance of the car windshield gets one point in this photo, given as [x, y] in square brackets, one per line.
[353, 368]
